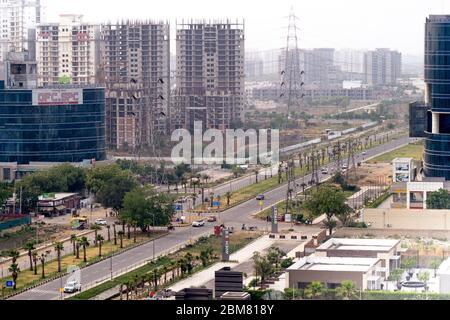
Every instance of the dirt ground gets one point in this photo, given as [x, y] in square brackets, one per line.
[371, 173]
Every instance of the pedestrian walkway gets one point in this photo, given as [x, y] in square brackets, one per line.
[240, 256]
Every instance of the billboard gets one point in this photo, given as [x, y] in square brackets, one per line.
[54, 97]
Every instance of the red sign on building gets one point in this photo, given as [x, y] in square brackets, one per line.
[53, 97]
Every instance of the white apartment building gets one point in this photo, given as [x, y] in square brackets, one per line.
[18, 19]
[382, 67]
[68, 51]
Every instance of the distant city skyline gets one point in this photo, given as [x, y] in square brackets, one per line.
[359, 24]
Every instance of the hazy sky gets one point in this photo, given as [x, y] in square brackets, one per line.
[397, 24]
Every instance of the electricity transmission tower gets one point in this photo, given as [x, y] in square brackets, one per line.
[291, 83]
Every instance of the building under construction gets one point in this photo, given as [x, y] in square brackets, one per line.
[136, 72]
[210, 75]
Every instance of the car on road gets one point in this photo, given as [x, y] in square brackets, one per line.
[364, 153]
[199, 223]
[324, 170]
[101, 222]
[260, 197]
[344, 167]
[72, 286]
[212, 219]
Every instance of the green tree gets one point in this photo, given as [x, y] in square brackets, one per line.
[330, 201]
[96, 228]
[438, 199]
[396, 275]
[6, 192]
[13, 254]
[263, 267]
[346, 290]
[58, 246]
[73, 241]
[409, 264]
[112, 194]
[435, 263]
[314, 290]
[424, 276]
[99, 240]
[35, 261]
[143, 206]
[275, 255]
[14, 269]
[29, 247]
[121, 234]
[84, 243]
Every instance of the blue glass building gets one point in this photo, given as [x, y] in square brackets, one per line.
[52, 126]
[437, 96]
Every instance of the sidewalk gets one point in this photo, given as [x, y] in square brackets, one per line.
[240, 256]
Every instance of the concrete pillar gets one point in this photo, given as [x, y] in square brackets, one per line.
[435, 123]
[424, 199]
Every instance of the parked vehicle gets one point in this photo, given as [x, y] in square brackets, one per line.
[324, 170]
[72, 286]
[344, 167]
[170, 228]
[101, 222]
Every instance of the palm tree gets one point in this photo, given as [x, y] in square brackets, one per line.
[346, 290]
[256, 172]
[96, 228]
[35, 260]
[228, 195]
[29, 247]
[109, 232]
[129, 231]
[58, 246]
[73, 241]
[14, 269]
[84, 242]
[14, 254]
[42, 259]
[164, 271]
[314, 290]
[100, 240]
[115, 234]
[121, 234]
[78, 249]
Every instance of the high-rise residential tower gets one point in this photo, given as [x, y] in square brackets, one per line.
[18, 19]
[382, 67]
[68, 51]
[210, 74]
[437, 96]
[136, 70]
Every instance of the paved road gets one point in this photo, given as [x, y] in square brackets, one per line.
[233, 217]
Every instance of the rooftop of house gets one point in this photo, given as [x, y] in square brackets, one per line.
[316, 263]
[379, 245]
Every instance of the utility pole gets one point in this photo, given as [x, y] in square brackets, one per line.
[291, 83]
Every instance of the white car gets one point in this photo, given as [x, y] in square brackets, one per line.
[200, 223]
[324, 170]
[72, 286]
[344, 167]
[101, 222]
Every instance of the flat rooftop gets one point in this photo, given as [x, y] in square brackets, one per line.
[402, 160]
[378, 245]
[438, 18]
[315, 263]
[56, 196]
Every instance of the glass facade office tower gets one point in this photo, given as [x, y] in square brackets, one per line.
[437, 96]
[52, 125]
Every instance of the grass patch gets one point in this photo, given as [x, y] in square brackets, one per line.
[414, 151]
